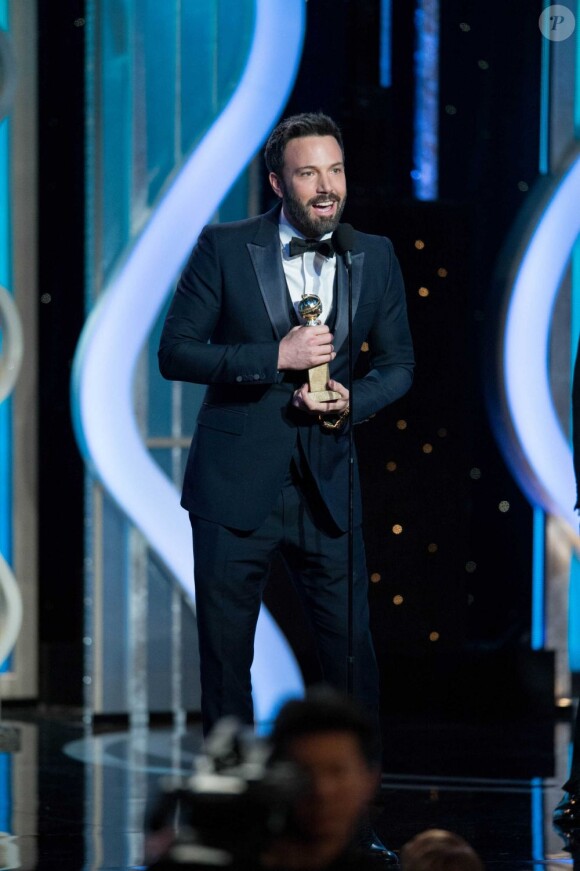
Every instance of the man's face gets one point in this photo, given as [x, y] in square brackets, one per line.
[313, 184]
[341, 785]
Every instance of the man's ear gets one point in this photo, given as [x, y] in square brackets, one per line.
[276, 184]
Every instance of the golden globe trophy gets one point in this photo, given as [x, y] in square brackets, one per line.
[310, 308]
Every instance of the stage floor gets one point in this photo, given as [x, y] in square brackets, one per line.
[74, 796]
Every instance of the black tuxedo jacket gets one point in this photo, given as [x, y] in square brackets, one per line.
[230, 310]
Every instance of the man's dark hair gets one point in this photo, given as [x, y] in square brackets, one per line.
[324, 710]
[439, 850]
[294, 127]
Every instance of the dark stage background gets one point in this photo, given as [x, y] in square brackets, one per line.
[448, 532]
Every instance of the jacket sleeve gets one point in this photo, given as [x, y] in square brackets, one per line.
[186, 350]
[390, 347]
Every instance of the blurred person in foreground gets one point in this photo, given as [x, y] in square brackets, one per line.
[306, 808]
[439, 850]
[334, 743]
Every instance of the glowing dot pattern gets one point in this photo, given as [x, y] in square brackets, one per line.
[438, 553]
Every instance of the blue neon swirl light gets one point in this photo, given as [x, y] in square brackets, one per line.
[119, 325]
[425, 173]
[386, 46]
[531, 435]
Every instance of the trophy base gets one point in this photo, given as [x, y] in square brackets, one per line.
[324, 395]
[318, 378]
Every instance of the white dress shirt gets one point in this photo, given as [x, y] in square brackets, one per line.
[310, 272]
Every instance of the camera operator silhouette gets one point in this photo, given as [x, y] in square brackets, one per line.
[304, 809]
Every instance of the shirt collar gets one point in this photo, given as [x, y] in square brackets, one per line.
[287, 231]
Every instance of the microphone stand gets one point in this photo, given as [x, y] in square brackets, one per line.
[343, 239]
[350, 628]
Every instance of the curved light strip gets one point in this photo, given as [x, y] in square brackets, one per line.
[10, 609]
[9, 74]
[119, 325]
[10, 363]
[12, 343]
[543, 461]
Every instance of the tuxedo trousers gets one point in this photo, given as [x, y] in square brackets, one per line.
[231, 572]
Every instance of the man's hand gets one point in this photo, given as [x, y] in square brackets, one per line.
[303, 399]
[305, 347]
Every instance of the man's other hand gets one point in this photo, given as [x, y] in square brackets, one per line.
[303, 399]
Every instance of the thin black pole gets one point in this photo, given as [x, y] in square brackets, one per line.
[350, 633]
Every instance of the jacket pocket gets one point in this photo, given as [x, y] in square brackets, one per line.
[223, 419]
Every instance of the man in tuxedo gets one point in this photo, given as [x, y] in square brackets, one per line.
[267, 470]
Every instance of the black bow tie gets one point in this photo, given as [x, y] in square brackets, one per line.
[300, 246]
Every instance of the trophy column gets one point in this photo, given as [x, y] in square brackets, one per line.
[310, 308]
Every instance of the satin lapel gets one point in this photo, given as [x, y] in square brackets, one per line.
[341, 325]
[267, 260]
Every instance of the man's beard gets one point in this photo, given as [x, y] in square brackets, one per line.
[300, 218]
